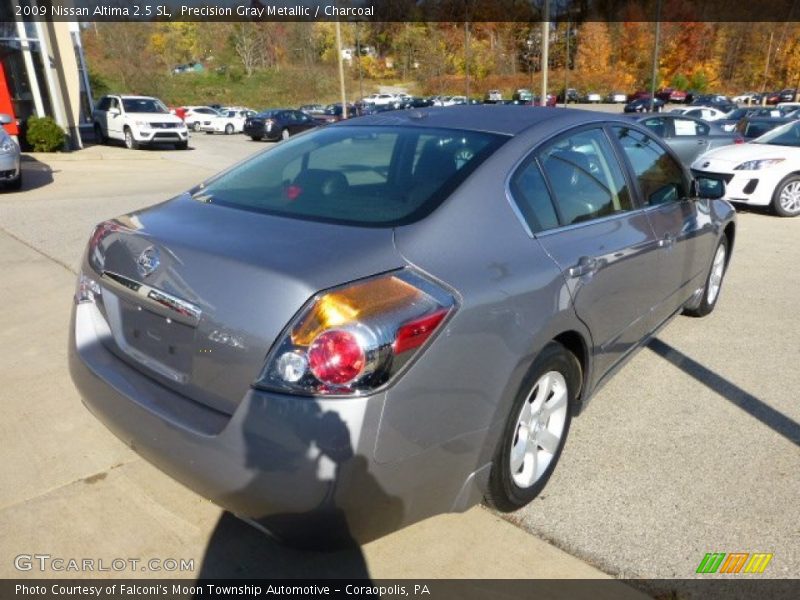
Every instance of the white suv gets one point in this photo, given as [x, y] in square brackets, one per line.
[138, 120]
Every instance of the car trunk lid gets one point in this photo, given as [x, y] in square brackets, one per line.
[196, 294]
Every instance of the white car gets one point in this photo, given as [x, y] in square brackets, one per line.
[706, 113]
[382, 99]
[745, 97]
[137, 121]
[617, 98]
[195, 115]
[593, 98]
[763, 172]
[227, 121]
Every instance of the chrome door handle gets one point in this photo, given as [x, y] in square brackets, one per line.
[668, 241]
[586, 266]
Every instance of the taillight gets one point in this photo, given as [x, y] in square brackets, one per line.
[354, 339]
[738, 140]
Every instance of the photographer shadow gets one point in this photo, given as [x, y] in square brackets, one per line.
[301, 456]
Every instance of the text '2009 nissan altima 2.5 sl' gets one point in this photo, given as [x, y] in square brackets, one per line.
[394, 316]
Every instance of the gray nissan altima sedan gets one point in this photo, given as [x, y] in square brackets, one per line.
[392, 317]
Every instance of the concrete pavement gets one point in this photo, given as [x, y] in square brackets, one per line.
[72, 490]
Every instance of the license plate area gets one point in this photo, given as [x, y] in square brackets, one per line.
[158, 338]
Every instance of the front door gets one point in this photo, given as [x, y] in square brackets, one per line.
[604, 244]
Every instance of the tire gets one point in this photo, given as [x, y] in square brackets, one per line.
[256, 138]
[98, 135]
[196, 126]
[228, 129]
[130, 141]
[15, 184]
[285, 134]
[514, 482]
[786, 198]
[713, 286]
[182, 146]
[209, 133]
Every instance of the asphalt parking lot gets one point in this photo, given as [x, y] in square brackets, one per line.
[694, 447]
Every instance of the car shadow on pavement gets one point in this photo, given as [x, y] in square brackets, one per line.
[308, 488]
[35, 174]
[753, 406]
[237, 550]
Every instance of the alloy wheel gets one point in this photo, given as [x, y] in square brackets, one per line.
[790, 197]
[539, 429]
[717, 272]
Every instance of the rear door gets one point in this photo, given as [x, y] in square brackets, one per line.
[602, 242]
[688, 138]
[682, 225]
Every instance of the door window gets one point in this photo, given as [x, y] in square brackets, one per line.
[689, 127]
[585, 177]
[660, 177]
[533, 199]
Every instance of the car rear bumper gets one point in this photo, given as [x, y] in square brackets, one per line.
[303, 468]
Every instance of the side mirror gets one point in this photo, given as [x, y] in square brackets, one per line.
[5, 119]
[707, 187]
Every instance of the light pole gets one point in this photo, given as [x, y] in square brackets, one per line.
[545, 50]
[341, 68]
[655, 57]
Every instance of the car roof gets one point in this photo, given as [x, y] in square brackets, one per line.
[504, 119]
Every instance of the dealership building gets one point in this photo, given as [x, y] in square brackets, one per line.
[42, 72]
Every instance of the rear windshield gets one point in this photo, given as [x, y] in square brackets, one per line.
[358, 175]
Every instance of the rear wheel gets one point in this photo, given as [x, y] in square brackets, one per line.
[786, 199]
[256, 138]
[130, 141]
[536, 429]
[713, 283]
[284, 134]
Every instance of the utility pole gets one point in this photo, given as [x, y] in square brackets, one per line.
[341, 68]
[466, 55]
[545, 51]
[360, 76]
[566, 69]
[655, 57]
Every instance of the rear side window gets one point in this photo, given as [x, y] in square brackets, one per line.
[689, 127]
[533, 198]
[660, 177]
[357, 175]
[585, 177]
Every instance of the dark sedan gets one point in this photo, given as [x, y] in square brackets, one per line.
[687, 136]
[644, 105]
[276, 124]
[753, 127]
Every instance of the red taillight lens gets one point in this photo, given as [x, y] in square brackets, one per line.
[415, 333]
[738, 140]
[354, 339]
[336, 358]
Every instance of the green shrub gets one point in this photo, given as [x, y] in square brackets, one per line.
[44, 134]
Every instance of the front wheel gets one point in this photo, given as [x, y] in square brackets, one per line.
[713, 283]
[182, 146]
[130, 141]
[536, 429]
[228, 129]
[196, 126]
[284, 134]
[786, 199]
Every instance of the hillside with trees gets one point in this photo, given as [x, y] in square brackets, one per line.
[268, 64]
